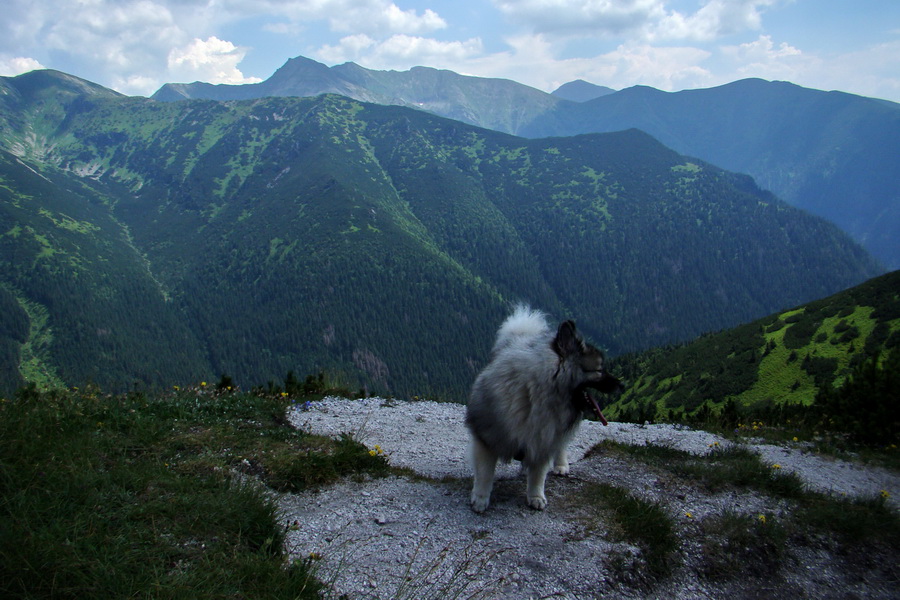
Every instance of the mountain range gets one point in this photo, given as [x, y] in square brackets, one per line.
[149, 243]
[834, 154]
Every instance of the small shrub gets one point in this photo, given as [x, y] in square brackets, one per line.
[865, 406]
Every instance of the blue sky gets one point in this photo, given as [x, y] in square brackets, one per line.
[134, 46]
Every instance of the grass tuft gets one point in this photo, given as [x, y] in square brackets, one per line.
[637, 521]
[735, 544]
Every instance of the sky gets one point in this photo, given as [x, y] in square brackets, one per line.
[135, 46]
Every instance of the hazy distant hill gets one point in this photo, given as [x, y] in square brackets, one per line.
[836, 155]
[785, 358]
[153, 242]
[581, 91]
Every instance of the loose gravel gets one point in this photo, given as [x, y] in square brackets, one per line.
[416, 537]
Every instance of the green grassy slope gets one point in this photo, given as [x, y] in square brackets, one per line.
[785, 358]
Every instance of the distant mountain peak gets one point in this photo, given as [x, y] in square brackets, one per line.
[581, 91]
[476, 100]
[42, 79]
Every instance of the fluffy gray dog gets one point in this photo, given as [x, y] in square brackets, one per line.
[528, 401]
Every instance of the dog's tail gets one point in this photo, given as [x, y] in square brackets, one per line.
[524, 322]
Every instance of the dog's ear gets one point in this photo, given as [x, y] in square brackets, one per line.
[567, 341]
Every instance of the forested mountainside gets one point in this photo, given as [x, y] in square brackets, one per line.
[787, 358]
[154, 243]
[836, 155]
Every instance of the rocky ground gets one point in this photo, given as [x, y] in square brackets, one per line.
[414, 536]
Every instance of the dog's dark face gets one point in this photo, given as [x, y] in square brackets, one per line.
[570, 346]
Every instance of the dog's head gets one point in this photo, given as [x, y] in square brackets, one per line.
[587, 363]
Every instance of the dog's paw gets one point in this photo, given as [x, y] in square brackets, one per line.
[480, 503]
[560, 469]
[537, 502]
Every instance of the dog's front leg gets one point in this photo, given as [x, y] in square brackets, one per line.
[561, 462]
[537, 474]
[485, 463]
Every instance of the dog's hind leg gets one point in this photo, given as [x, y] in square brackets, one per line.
[537, 474]
[485, 463]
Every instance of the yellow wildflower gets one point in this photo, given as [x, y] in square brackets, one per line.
[762, 519]
[689, 515]
[776, 466]
[885, 494]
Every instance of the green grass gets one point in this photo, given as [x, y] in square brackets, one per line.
[131, 496]
[645, 524]
[732, 467]
[735, 544]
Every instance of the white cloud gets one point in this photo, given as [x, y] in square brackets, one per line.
[401, 52]
[381, 17]
[17, 65]
[211, 60]
[664, 68]
[714, 19]
[348, 49]
[762, 58]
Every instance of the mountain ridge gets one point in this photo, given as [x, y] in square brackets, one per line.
[831, 153]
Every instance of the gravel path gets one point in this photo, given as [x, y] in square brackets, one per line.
[403, 537]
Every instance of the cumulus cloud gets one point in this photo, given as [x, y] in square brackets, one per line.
[17, 65]
[382, 17]
[211, 60]
[714, 19]
[763, 58]
[669, 68]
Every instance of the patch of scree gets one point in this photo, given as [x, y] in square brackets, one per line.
[415, 536]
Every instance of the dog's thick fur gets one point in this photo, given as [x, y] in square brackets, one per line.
[528, 401]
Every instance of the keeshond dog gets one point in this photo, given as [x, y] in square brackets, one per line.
[528, 401]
